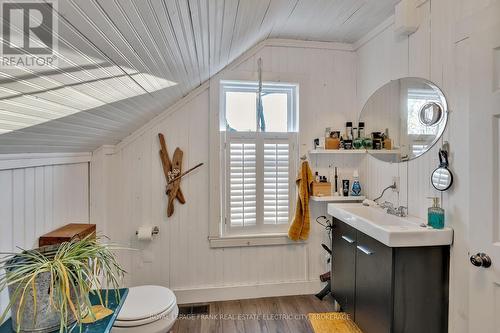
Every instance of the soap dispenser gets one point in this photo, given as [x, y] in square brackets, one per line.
[356, 187]
[435, 214]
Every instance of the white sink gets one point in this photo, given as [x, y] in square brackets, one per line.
[388, 229]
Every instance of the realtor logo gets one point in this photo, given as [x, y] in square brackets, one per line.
[28, 33]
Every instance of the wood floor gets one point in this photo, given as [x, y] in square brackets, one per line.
[270, 315]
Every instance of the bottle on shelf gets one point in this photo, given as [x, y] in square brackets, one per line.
[357, 143]
[345, 187]
[356, 186]
[387, 143]
[331, 177]
[348, 130]
[377, 140]
[336, 189]
[361, 130]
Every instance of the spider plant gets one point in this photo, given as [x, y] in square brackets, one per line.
[72, 271]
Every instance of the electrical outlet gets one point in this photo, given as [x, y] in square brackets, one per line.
[395, 180]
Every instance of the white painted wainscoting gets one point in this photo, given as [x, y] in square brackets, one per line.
[180, 257]
[36, 199]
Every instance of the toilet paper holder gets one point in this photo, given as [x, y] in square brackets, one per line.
[155, 231]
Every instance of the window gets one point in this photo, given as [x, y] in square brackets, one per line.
[259, 156]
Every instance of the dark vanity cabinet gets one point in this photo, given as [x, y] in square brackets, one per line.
[344, 249]
[389, 290]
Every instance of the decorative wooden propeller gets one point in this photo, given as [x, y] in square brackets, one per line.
[173, 174]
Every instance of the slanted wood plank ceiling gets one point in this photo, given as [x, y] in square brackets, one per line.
[121, 62]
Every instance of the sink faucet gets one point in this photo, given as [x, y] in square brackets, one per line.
[400, 211]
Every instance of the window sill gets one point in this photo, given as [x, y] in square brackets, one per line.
[252, 240]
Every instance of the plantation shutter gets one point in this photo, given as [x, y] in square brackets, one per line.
[276, 182]
[242, 184]
[260, 183]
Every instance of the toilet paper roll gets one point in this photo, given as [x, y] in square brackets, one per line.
[145, 233]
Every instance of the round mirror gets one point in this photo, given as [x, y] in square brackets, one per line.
[404, 119]
[430, 114]
[442, 178]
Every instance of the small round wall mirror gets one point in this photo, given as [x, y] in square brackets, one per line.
[442, 177]
[404, 118]
[430, 114]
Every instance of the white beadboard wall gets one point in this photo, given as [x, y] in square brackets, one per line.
[180, 257]
[36, 200]
[433, 52]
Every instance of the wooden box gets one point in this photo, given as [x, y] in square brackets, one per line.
[321, 189]
[332, 143]
[67, 233]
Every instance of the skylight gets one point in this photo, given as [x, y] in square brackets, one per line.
[37, 99]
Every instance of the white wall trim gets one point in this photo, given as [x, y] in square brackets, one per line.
[20, 161]
[252, 240]
[242, 58]
[226, 293]
[297, 43]
[373, 33]
[106, 149]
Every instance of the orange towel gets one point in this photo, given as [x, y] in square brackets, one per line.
[99, 312]
[299, 229]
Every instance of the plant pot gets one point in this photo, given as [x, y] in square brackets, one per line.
[47, 317]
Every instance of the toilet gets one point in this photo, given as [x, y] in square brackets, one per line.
[147, 309]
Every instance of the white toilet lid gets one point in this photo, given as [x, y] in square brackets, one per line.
[146, 302]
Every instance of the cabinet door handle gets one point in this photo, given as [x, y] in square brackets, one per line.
[348, 239]
[364, 250]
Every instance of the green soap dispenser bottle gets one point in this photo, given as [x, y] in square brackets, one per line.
[435, 214]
